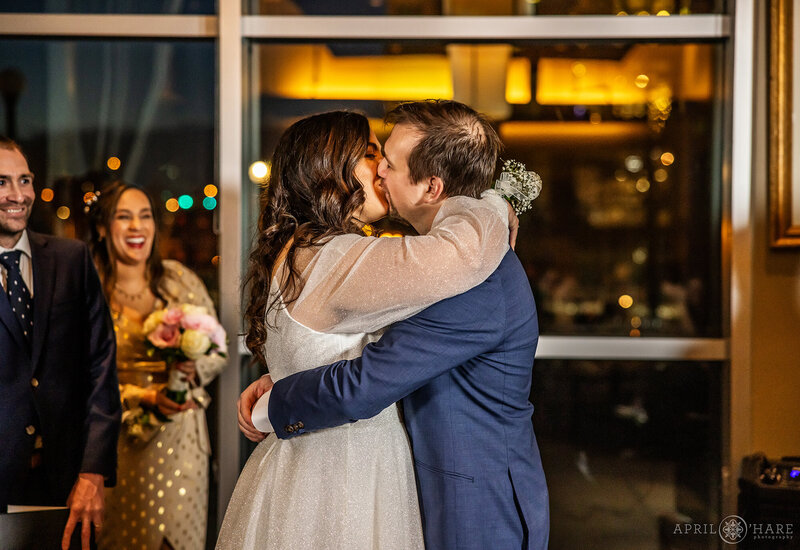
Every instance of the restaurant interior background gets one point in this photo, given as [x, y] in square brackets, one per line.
[667, 349]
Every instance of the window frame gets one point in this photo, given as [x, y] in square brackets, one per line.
[234, 32]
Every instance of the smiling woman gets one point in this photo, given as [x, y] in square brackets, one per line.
[164, 448]
[133, 228]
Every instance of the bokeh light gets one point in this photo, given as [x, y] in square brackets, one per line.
[89, 197]
[633, 163]
[579, 70]
[259, 171]
[185, 202]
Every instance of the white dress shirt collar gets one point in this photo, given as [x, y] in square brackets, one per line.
[23, 244]
[25, 263]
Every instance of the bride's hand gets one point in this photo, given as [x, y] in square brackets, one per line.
[513, 225]
[188, 368]
[245, 404]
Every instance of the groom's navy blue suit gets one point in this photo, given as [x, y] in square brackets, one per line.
[463, 369]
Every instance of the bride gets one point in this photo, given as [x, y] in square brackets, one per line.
[320, 290]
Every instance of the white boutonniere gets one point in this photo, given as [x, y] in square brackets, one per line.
[518, 185]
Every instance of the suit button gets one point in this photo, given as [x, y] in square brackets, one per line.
[34, 382]
[289, 429]
[30, 430]
[300, 425]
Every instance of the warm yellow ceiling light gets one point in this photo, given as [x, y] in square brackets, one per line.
[679, 71]
[312, 71]
[518, 81]
[557, 133]
[601, 82]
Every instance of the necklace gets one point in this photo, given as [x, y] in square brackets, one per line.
[132, 297]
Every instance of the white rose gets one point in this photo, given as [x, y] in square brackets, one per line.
[153, 320]
[191, 309]
[194, 343]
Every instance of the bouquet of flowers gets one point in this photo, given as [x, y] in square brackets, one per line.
[518, 185]
[183, 333]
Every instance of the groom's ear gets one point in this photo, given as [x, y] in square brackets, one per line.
[435, 190]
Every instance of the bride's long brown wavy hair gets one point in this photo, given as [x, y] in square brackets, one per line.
[312, 194]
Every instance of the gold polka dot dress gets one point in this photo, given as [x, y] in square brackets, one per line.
[162, 477]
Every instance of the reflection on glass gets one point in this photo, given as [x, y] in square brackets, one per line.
[485, 7]
[624, 239]
[186, 7]
[630, 449]
[90, 111]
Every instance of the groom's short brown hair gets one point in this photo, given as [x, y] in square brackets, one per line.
[457, 144]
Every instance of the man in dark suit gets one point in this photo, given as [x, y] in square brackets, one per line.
[462, 367]
[59, 396]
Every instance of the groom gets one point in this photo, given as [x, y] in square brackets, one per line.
[462, 367]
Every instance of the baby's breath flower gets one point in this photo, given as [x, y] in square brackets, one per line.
[518, 185]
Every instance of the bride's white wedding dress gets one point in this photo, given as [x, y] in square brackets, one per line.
[352, 487]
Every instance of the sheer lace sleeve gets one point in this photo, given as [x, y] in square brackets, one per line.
[360, 284]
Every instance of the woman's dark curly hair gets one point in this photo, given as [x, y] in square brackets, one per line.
[312, 195]
[101, 214]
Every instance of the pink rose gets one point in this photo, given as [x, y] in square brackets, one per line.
[199, 321]
[173, 316]
[219, 338]
[165, 336]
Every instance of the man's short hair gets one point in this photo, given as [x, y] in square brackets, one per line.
[457, 144]
[10, 145]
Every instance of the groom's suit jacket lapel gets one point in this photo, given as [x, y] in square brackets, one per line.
[44, 276]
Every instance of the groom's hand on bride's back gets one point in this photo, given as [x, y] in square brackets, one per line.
[246, 402]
